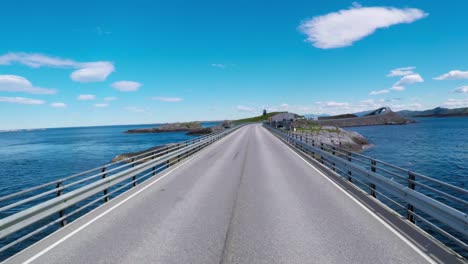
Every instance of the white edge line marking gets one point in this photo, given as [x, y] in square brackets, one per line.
[409, 243]
[42, 252]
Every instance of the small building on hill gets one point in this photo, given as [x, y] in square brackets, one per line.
[283, 120]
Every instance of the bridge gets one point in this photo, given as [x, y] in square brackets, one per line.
[250, 194]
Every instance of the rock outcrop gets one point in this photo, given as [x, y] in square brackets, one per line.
[133, 154]
[332, 135]
[192, 128]
[389, 118]
[171, 127]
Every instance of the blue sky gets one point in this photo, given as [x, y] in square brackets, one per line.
[131, 62]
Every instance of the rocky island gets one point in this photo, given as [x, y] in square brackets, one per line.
[191, 128]
[381, 116]
[327, 130]
[332, 135]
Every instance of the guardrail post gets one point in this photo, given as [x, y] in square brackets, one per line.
[134, 177]
[373, 165]
[411, 185]
[334, 154]
[61, 212]
[106, 191]
[321, 157]
[350, 174]
[372, 189]
[371, 185]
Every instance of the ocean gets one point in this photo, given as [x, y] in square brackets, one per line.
[435, 147]
[31, 157]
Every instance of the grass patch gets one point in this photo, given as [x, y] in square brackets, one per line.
[260, 118]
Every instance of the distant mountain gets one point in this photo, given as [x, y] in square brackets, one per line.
[337, 117]
[436, 112]
[363, 113]
[380, 116]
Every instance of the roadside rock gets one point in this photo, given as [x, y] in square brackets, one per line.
[172, 127]
[332, 135]
[192, 128]
[390, 118]
[133, 154]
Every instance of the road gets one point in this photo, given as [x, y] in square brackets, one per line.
[245, 199]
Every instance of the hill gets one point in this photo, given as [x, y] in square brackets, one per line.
[259, 118]
[436, 112]
[381, 116]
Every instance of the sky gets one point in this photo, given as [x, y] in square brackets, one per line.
[87, 63]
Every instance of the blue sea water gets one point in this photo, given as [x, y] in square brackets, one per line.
[31, 157]
[435, 147]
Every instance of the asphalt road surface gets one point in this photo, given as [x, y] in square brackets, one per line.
[245, 199]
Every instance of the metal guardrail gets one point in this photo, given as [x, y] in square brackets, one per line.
[54, 203]
[438, 205]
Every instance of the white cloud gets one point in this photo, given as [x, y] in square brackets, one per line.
[101, 105]
[93, 72]
[342, 28]
[100, 31]
[108, 99]
[453, 103]
[14, 83]
[96, 71]
[58, 105]
[453, 75]
[21, 100]
[134, 109]
[401, 71]
[281, 108]
[86, 97]
[219, 65]
[332, 104]
[415, 106]
[35, 60]
[398, 88]
[379, 92]
[168, 99]
[126, 86]
[242, 108]
[461, 89]
[407, 79]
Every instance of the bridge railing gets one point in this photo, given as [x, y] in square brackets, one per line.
[27, 213]
[439, 208]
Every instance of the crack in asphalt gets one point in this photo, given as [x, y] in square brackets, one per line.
[225, 258]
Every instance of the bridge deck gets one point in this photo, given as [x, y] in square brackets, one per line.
[245, 199]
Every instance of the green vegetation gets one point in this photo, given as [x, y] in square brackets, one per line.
[313, 127]
[260, 118]
[316, 129]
